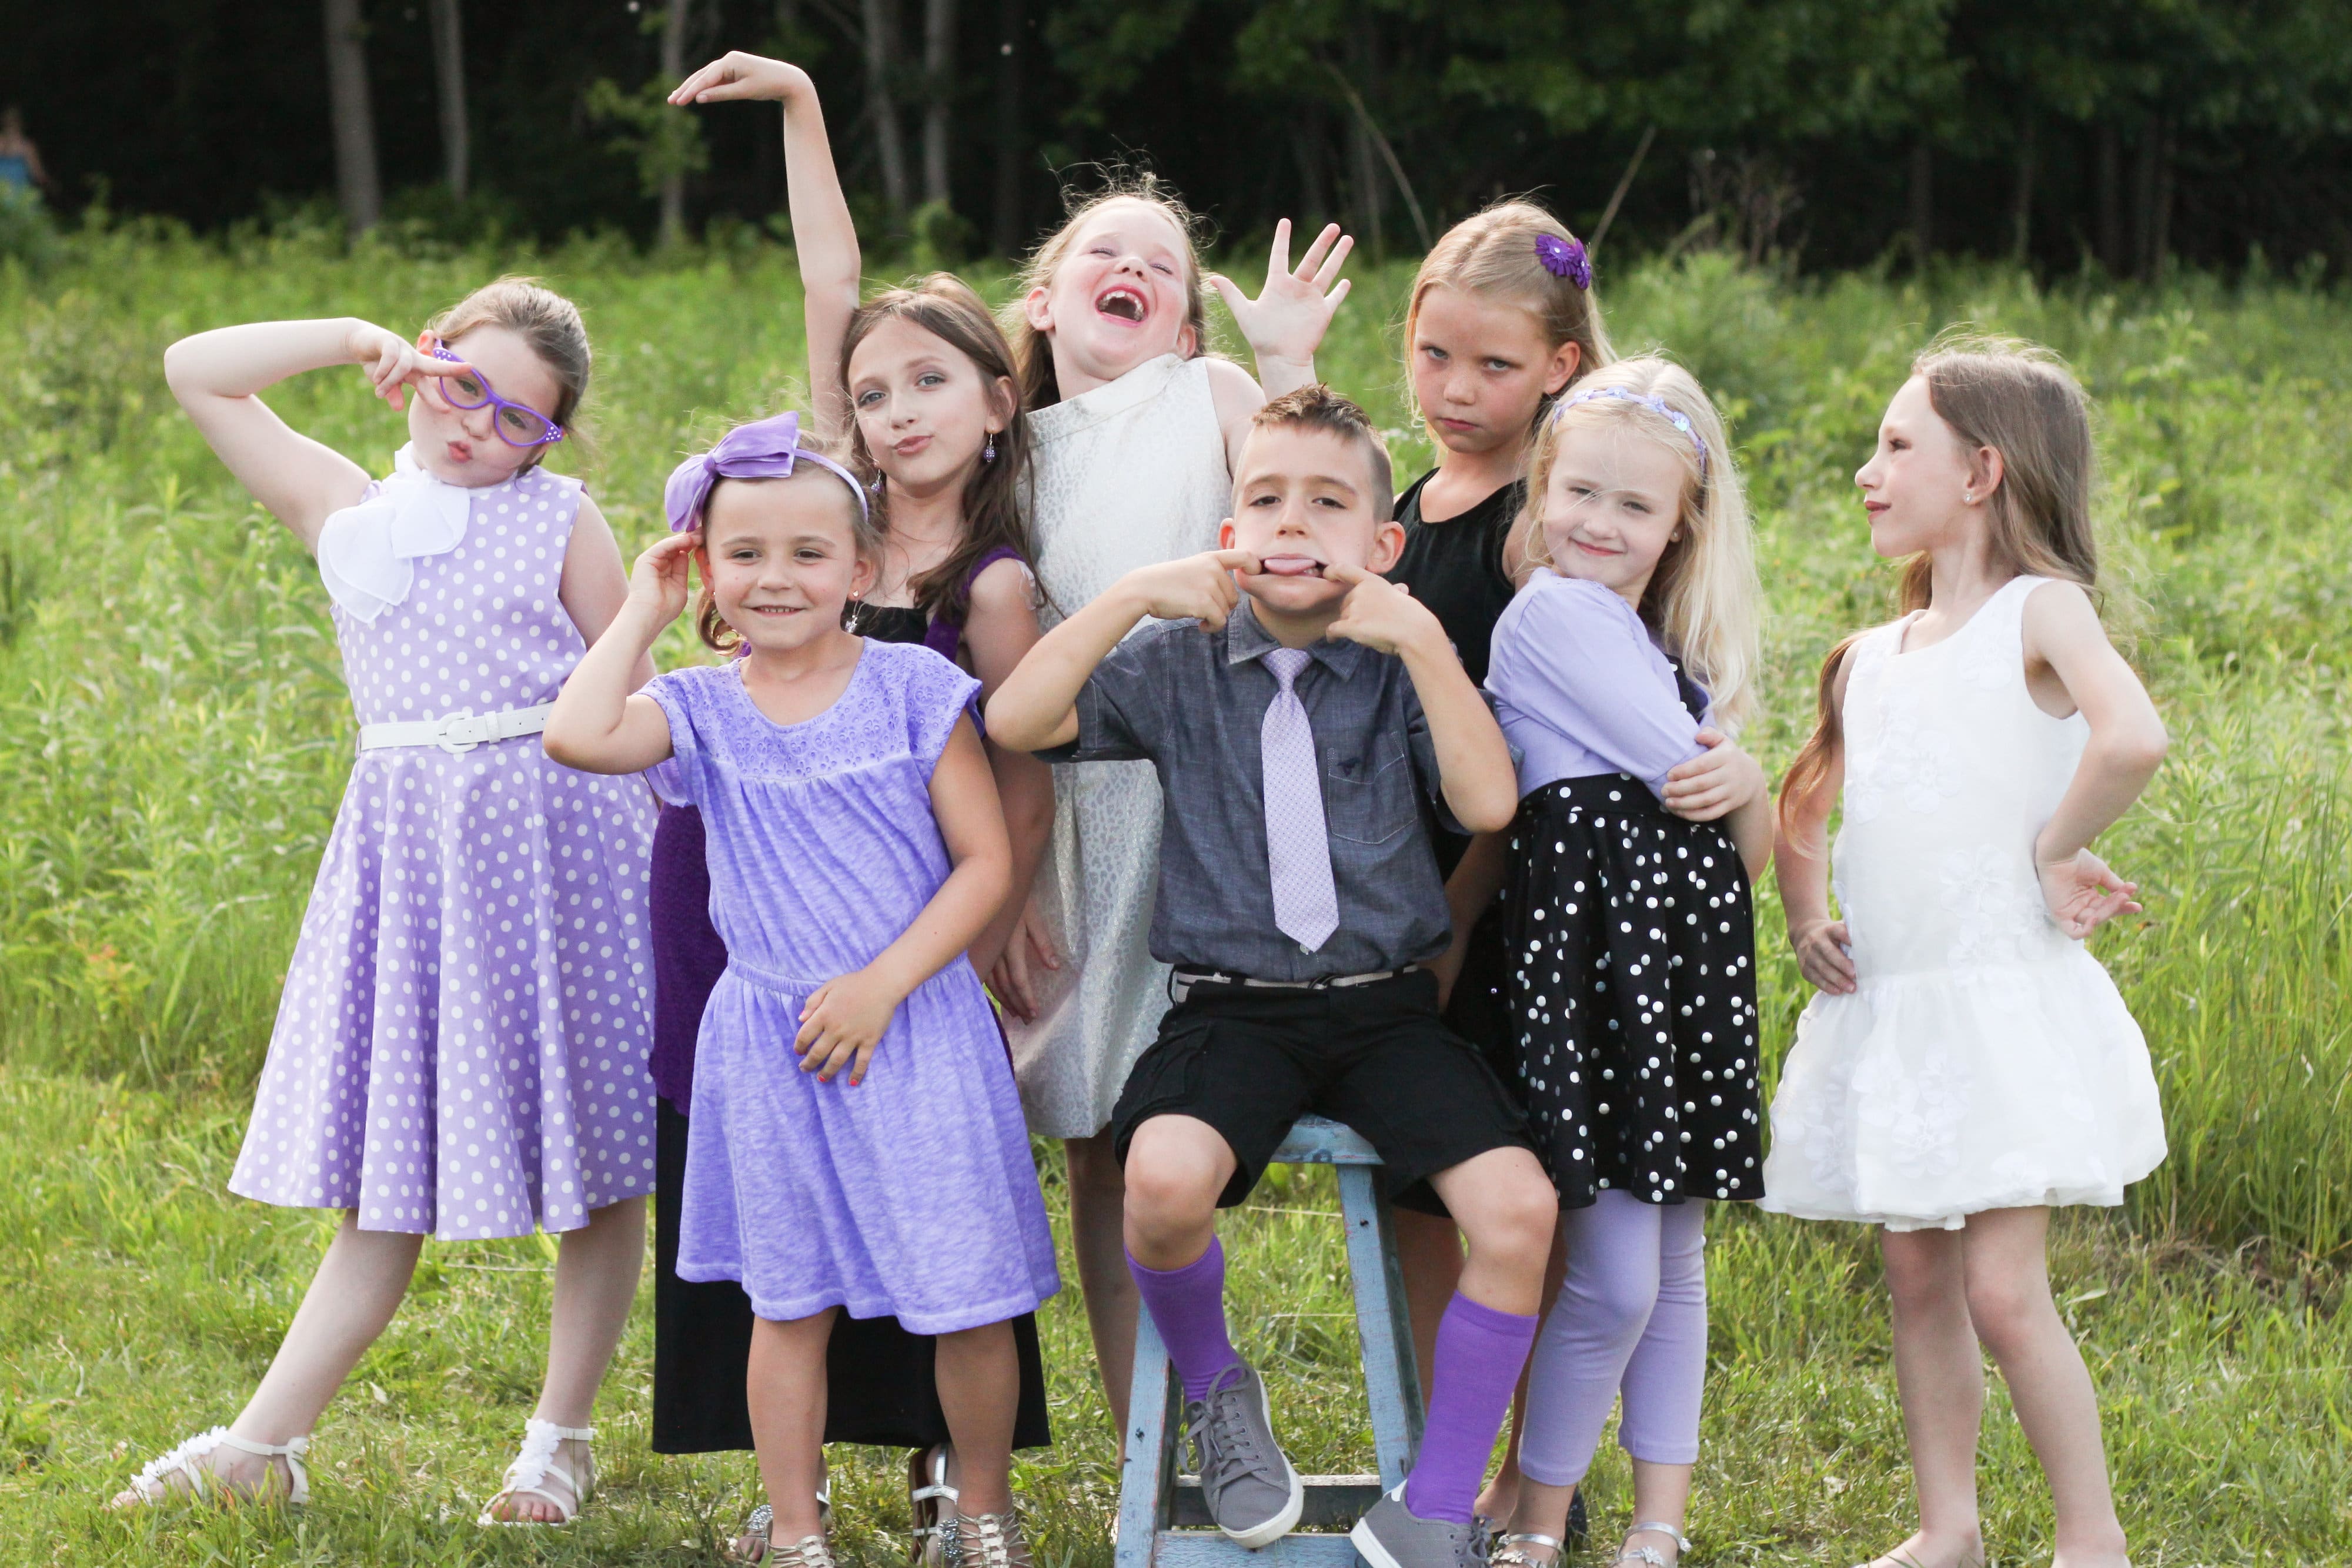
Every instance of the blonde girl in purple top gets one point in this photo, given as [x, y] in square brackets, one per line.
[461, 1050]
[1617, 672]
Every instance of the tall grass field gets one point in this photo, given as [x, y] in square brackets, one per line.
[176, 737]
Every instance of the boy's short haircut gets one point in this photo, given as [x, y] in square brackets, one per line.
[1316, 407]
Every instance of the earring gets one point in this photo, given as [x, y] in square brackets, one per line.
[988, 452]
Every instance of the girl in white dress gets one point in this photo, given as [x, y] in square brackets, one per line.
[1967, 1065]
[1133, 426]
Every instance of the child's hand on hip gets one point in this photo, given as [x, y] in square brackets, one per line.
[2082, 893]
[1824, 954]
[1714, 785]
[1382, 616]
[658, 583]
[1287, 321]
[842, 1023]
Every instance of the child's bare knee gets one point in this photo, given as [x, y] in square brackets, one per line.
[1509, 1216]
[1174, 1177]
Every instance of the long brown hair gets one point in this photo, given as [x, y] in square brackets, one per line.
[2018, 399]
[548, 324]
[1033, 351]
[945, 305]
[1492, 254]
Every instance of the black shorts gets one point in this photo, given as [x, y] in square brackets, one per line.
[1249, 1060]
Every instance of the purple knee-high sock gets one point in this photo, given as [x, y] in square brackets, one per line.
[1188, 1308]
[1479, 1353]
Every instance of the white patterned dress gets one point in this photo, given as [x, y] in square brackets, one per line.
[1985, 1060]
[1127, 476]
[461, 1047]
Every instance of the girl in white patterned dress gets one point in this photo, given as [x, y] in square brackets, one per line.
[1133, 426]
[1967, 1065]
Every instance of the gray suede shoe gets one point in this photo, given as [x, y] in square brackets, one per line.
[1252, 1492]
[1391, 1536]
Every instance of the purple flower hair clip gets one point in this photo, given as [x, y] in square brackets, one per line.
[1565, 258]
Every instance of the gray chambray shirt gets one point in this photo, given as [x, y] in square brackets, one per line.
[1192, 704]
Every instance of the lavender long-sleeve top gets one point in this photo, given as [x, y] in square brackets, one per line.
[1580, 688]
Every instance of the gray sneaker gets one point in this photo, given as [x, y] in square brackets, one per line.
[1391, 1536]
[1252, 1492]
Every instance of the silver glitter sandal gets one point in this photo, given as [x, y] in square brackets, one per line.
[1651, 1556]
[931, 1506]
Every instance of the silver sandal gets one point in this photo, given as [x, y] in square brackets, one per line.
[1508, 1552]
[808, 1551]
[931, 1508]
[1651, 1556]
[762, 1520]
[990, 1541]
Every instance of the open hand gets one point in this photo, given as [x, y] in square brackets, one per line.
[2082, 893]
[842, 1023]
[391, 362]
[1194, 588]
[1287, 321]
[1382, 616]
[659, 581]
[1716, 784]
[1031, 949]
[1824, 954]
[737, 75]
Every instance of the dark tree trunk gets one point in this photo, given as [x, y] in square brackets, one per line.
[1923, 202]
[2021, 199]
[2109, 157]
[880, 19]
[938, 95]
[354, 118]
[1005, 234]
[2151, 197]
[1364, 174]
[449, 88]
[673, 71]
[1308, 149]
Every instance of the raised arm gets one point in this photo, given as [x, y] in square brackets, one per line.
[1474, 762]
[598, 725]
[218, 375]
[1283, 326]
[1801, 865]
[824, 241]
[2063, 636]
[1037, 708]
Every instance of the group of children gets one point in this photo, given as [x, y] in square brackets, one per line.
[1061, 661]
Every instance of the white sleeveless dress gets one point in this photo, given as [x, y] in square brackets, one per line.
[1985, 1060]
[1129, 474]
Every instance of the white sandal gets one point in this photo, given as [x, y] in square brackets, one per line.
[151, 1486]
[1651, 1554]
[535, 1466]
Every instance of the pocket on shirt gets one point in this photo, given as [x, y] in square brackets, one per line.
[1369, 798]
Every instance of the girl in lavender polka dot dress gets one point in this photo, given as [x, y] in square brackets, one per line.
[461, 1049]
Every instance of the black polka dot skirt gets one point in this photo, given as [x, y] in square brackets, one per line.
[1632, 994]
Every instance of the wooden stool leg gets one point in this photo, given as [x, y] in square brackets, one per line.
[1383, 1323]
[1147, 1477]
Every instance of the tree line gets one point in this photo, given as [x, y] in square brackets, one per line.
[1815, 132]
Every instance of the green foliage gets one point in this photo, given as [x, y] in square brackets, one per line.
[663, 141]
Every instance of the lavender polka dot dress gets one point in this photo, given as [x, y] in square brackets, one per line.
[461, 1047]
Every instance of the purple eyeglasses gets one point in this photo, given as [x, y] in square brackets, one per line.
[518, 425]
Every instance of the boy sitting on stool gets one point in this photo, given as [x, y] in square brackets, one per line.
[1294, 732]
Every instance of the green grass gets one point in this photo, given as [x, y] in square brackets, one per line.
[177, 738]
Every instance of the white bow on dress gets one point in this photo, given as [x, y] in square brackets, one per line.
[366, 551]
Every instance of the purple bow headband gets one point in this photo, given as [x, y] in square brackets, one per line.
[763, 449]
[1674, 415]
[1565, 258]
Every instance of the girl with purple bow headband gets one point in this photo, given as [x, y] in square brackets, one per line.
[856, 1146]
[469, 534]
[917, 387]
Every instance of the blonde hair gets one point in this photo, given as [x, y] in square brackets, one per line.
[1033, 351]
[548, 323]
[1492, 254]
[2018, 399]
[1703, 598]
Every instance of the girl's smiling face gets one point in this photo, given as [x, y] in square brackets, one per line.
[1920, 485]
[781, 557]
[924, 410]
[1612, 503]
[1121, 295]
[462, 445]
[1481, 368]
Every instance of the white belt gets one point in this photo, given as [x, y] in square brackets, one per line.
[458, 733]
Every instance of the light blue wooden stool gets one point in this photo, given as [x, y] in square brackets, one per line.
[1163, 1520]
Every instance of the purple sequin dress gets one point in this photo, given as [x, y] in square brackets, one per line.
[911, 1195]
[461, 1048]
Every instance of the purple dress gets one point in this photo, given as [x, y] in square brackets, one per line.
[461, 1047]
[912, 1195]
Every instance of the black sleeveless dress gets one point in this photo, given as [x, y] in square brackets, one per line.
[880, 1385]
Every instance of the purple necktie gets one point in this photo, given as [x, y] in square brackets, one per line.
[1298, 844]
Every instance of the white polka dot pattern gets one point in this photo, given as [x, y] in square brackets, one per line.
[461, 1047]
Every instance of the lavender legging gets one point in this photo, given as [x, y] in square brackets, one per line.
[1632, 1315]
